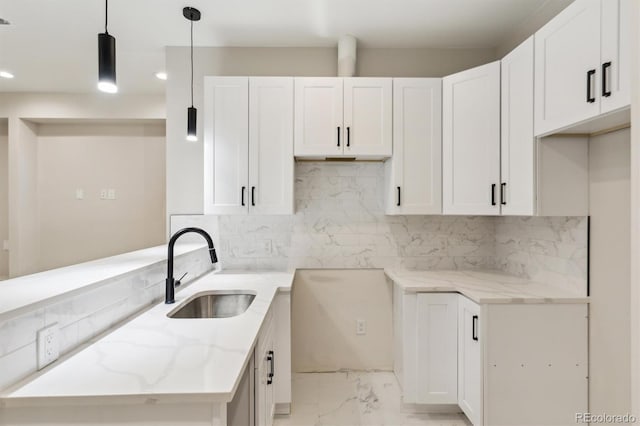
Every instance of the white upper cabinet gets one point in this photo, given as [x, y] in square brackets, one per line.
[581, 64]
[616, 55]
[248, 147]
[517, 144]
[318, 116]
[414, 173]
[336, 117]
[367, 117]
[271, 164]
[226, 145]
[471, 141]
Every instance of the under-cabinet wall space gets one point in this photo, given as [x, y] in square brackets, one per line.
[4, 198]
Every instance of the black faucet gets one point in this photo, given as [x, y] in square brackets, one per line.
[170, 282]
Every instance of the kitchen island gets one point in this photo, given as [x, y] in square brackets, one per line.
[156, 368]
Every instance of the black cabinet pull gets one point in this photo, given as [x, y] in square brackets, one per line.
[590, 99]
[474, 328]
[348, 136]
[271, 358]
[253, 195]
[606, 93]
[398, 197]
[503, 194]
[242, 195]
[493, 194]
[338, 135]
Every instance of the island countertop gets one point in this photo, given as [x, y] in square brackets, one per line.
[483, 286]
[155, 358]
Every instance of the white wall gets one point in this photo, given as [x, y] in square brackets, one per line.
[24, 111]
[129, 158]
[23, 197]
[4, 196]
[184, 160]
[325, 307]
[609, 310]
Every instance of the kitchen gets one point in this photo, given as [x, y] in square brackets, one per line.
[358, 243]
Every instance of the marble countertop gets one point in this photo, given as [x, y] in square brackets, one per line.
[155, 358]
[483, 286]
[28, 292]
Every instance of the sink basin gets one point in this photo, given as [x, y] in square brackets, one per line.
[219, 304]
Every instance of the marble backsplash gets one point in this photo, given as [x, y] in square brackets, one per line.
[340, 223]
[546, 249]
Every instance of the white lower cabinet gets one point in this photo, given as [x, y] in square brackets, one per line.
[273, 363]
[500, 363]
[265, 375]
[469, 360]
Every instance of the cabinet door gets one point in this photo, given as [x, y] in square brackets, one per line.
[437, 348]
[517, 144]
[615, 57]
[318, 117]
[469, 361]
[226, 145]
[414, 184]
[471, 141]
[367, 117]
[567, 67]
[271, 145]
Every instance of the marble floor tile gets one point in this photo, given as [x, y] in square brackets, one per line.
[355, 399]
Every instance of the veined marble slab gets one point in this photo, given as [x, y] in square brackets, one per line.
[30, 291]
[155, 358]
[483, 286]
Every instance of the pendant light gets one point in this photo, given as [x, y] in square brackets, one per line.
[192, 15]
[106, 58]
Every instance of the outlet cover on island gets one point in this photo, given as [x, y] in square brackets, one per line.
[361, 327]
[48, 345]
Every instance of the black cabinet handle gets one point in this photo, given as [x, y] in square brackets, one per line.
[606, 93]
[590, 99]
[474, 328]
[242, 195]
[271, 358]
[348, 136]
[338, 135]
[503, 194]
[493, 194]
[398, 197]
[253, 195]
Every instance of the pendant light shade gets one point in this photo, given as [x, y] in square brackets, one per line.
[192, 118]
[107, 63]
[192, 15]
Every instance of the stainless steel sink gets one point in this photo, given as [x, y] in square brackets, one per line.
[219, 304]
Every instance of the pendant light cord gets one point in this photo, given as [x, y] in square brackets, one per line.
[192, 63]
[106, 11]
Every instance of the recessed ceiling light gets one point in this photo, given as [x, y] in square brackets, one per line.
[6, 74]
[161, 75]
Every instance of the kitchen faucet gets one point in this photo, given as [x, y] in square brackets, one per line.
[170, 282]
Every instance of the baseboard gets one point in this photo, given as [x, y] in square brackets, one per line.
[432, 408]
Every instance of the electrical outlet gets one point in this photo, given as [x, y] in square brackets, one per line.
[267, 246]
[361, 327]
[48, 345]
[111, 194]
[103, 194]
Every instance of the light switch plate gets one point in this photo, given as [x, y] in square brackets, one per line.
[48, 345]
[111, 194]
[103, 194]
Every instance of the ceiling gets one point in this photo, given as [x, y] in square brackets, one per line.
[51, 45]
